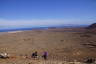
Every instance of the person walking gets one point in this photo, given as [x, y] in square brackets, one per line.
[45, 55]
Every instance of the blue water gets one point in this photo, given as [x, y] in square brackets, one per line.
[21, 29]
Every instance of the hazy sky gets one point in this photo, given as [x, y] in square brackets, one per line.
[20, 13]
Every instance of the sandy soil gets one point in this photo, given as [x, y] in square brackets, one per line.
[61, 44]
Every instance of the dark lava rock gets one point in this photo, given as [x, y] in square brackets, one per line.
[92, 26]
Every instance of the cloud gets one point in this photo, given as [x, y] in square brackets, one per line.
[44, 22]
[27, 23]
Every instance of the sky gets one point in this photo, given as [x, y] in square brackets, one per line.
[32, 13]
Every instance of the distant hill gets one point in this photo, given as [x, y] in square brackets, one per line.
[91, 29]
[92, 26]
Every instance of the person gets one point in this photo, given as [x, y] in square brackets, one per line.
[34, 55]
[45, 55]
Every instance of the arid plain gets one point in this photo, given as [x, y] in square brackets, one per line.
[62, 44]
